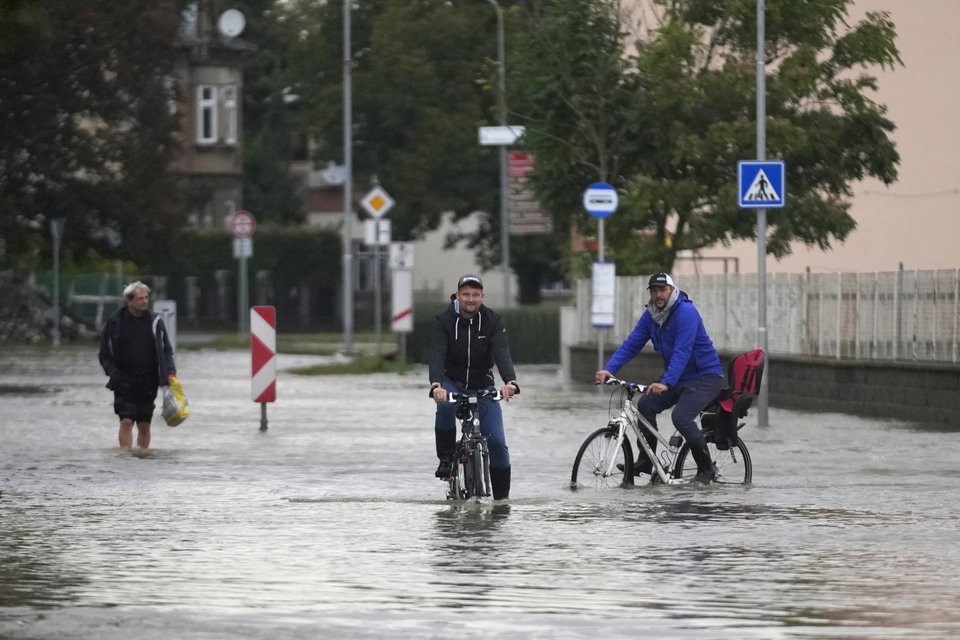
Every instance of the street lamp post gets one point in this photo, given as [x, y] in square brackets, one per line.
[763, 414]
[347, 186]
[504, 205]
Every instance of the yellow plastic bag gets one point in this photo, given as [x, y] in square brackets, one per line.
[175, 408]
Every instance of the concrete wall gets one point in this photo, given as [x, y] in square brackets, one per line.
[920, 392]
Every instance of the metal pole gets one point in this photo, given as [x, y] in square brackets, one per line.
[600, 330]
[56, 230]
[504, 195]
[377, 289]
[347, 186]
[763, 417]
[243, 292]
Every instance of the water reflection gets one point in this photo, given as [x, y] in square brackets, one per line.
[330, 524]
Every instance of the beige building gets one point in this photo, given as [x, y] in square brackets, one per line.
[915, 221]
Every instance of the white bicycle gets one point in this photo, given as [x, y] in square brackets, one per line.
[606, 458]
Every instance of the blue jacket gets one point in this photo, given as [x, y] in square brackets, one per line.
[682, 342]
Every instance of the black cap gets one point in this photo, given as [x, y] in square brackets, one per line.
[470, 279]
[660, 280]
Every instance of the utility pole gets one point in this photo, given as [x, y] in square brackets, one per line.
[347, 185]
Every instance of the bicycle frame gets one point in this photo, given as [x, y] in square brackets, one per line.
[472, 445]
[630, 416]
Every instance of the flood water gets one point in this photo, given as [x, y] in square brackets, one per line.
[330, 524]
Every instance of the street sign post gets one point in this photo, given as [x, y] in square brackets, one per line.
[377, 203]
[601, 200]
[242, 224]
[401, 271]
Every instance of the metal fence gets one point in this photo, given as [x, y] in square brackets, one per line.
[898, 315]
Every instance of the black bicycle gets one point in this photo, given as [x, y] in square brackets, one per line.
[470, 476]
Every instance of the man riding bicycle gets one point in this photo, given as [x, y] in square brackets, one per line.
[467, 339]
[693, 375]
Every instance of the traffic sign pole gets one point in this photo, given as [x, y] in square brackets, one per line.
[377, 202]
[600, 200]
[243, 224]
[263, 350]
[763, 417]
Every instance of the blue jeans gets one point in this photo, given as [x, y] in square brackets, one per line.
[491, 425]
[690, 398]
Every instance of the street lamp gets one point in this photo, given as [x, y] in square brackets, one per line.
[347, 187]
[504, 210]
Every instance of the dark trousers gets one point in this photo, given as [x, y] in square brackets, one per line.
[688, 399]
[491, 425]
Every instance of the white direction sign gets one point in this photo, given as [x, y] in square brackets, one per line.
[604, 304]
[600, 200]
[243, 248]
[761, 184]
[376, 232]
[401, 255]
[377, 202]
[500, 136]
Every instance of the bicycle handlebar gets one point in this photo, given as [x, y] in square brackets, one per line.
[454, 397]
[632, 387]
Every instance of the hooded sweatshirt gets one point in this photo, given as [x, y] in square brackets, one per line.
[465, 349]
[681, 340]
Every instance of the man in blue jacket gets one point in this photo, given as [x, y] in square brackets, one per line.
[693, 374]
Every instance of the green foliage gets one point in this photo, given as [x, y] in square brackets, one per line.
[270, 105]
[572, 85]
[88, 135]
[420, 90]
[673, 120]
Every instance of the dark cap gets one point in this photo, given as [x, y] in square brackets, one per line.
[661, 280]
[470, 279]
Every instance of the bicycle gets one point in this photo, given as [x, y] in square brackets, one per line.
[470, 477]
[605, 459]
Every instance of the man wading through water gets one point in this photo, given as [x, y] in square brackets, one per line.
[135, 353]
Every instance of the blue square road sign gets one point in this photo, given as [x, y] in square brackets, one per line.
[761, 184]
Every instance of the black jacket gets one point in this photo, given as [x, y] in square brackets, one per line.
[110, 347]
[466, 350]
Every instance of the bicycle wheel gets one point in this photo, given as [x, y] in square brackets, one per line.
[479, 484]
[601, 464]
[458, 480]
[487, 486]
[733, 465]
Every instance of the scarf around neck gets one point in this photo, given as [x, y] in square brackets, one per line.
[661, 316]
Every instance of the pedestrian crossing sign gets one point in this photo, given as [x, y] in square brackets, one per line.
[761, 184]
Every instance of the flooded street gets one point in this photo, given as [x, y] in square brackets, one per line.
[330, 524]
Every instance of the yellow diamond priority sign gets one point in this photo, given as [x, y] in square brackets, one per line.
[377, 202]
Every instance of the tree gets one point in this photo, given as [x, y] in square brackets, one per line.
[688, 104]
[421, 87]
[270, 134]
[88, 132]
[572, 84]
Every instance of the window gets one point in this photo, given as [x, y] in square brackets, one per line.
[230, 114]
[206, 114]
